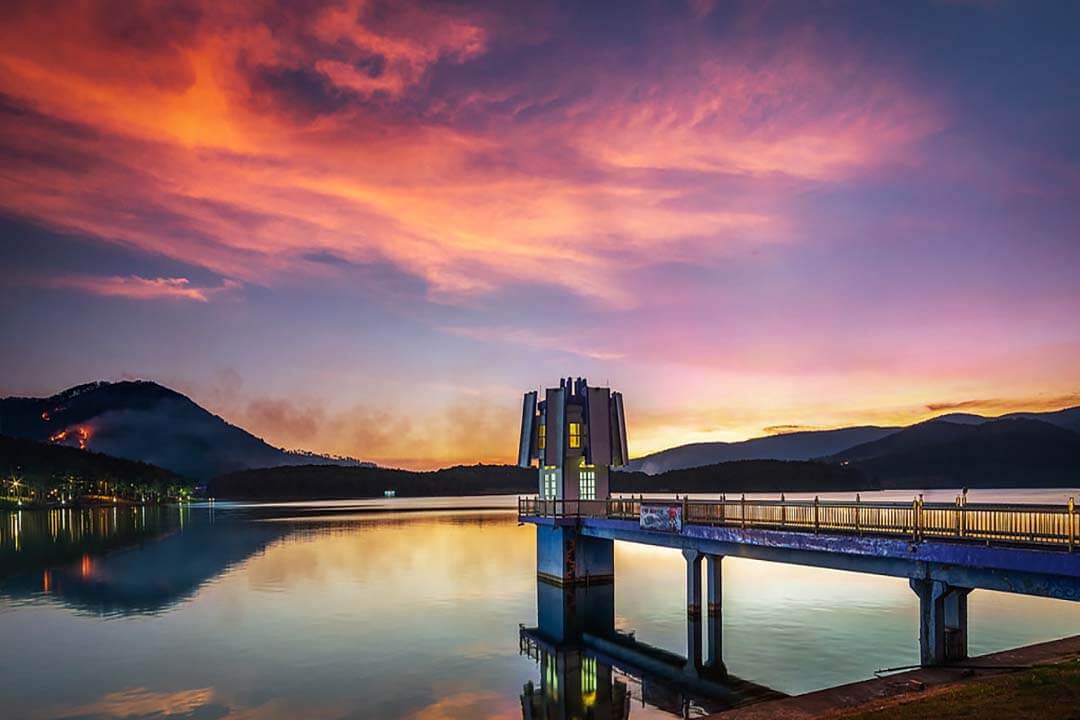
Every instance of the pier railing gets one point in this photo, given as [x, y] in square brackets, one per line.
[1015, 524]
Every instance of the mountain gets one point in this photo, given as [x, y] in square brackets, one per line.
[790, 446]
[1069, 418]
[817, 444]
[746, 476]
[144, 421]
[1010, 452]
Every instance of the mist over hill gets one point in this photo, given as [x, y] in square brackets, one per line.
[147, 422]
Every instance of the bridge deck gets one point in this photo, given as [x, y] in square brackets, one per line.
[1013, 548]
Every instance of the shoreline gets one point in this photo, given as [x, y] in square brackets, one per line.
[909, 687]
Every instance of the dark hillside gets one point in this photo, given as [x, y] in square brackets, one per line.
[1015, 453]
[148, 422]
[43, 467]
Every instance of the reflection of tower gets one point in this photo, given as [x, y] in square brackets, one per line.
[573, 685]
[575, 434]
[574, 682]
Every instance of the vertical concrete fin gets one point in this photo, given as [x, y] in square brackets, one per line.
[599, 427]
[555, 415]
[527, 441]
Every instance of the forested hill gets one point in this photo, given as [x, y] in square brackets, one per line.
[43, 467]
[324, 482]
[329, 481]
[145, 421]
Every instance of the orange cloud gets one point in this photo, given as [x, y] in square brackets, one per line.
[240, 137]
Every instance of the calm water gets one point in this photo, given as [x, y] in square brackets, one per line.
[360, 609]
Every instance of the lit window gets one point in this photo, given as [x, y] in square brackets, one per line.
[541, 441]
[551, 481]
[575, 435]
[587, 484]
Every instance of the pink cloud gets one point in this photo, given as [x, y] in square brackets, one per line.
[139, 288]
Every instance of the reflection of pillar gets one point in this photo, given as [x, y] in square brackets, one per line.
[942, 621]
[714, 603]
[564, 613]
[693, 608]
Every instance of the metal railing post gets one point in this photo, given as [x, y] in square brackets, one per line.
[858, 529]
[1072, 522]
[817, 524]
[742, 510]
[957, 516]
[685, 509]
[783, 511]
[963, 512]
[915, 520]
[723, 508]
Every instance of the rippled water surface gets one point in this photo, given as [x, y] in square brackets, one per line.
[402, 608]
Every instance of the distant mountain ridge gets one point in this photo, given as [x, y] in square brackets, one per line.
[144, 421]
[819, 444]
[805, 445]
[1014, 451]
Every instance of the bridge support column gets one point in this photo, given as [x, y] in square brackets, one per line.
[942, 621]
[565, 557]
[693, 609]
[714, 600]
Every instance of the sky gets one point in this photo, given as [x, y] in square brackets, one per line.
[367, 228]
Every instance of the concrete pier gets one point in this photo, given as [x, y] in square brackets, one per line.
[714, 628]
[943, 621]
[693, 610]
[566, 557]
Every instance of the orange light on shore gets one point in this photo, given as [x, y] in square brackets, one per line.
[86, 568]
[46, 581]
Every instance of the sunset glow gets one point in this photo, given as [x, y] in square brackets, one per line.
[365, 228]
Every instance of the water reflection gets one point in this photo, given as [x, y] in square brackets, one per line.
[178, 551]
[348, 610]
[587, 666]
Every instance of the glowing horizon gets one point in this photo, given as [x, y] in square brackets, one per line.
[366, 228]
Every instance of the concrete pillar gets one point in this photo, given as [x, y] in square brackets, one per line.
[714, 602]
[565, 557]
[693, 609]
[942, 621]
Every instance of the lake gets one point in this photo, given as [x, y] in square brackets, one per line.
[400, 609]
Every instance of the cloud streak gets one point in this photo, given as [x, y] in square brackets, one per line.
[134, 287]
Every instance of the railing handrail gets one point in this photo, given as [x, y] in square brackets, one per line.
[1013, 523]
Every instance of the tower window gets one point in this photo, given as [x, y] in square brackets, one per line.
[587, 484]
[551, 484]
[575, 435]
[541, 437]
